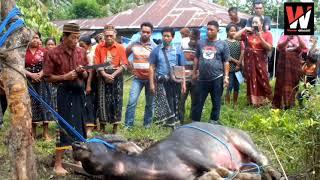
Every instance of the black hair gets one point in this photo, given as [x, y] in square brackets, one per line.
[195, 32]
[37, 32]
[230, 25]
[147, 24]
[168, 29]
[257, 2]
[261, 20]
[50, 38]
[233, 9]
[213, 23]
[86, 40]
[312, 57]
[157, 41]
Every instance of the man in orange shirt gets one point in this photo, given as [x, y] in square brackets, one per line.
[110, 81]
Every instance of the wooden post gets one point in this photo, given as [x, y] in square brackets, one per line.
[20, 144]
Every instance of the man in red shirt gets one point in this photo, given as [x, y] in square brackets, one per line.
[110, 78]
[63, 65]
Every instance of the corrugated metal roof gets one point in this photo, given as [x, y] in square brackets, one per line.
[174, 13]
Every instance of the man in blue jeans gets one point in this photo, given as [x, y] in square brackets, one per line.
[213, 65]
[141, 50]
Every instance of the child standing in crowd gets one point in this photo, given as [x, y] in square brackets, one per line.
[236, 56]
[309, 70]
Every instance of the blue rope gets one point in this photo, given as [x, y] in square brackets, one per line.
[211, 135]
[16, 25]
[14, 12]
[256, 166]
[96, 140]
[66, 125]
[233, 175]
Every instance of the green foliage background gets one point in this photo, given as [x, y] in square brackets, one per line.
[36, 17]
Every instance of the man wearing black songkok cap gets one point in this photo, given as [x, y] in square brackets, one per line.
[63, 66]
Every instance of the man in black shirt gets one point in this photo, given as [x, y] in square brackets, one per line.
[259, 11]
[239, 22]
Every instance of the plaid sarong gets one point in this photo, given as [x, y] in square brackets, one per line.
[167, 104]
[288, 74]
[110, 100]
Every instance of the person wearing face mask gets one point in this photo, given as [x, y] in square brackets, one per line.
[258, 42]
[110, 78]
[167, 92]
[259, 11]
[33, 63]
[139, 66]
[288, 71]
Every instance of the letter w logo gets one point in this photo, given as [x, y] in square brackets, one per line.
[299, 15]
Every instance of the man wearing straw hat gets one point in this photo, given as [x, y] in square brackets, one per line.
[63, 65]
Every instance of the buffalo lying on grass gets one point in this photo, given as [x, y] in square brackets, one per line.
[195, 151]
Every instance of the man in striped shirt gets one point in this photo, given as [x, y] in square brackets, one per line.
[139, 66]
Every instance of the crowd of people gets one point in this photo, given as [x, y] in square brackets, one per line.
[84, 81]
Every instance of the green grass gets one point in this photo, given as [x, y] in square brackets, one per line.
[282, 127]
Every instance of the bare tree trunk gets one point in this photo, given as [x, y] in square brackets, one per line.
[20, 144]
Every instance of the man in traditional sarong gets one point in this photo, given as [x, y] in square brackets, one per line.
[63, 65]
[167, 92]
[288, 71]
[213, 66]
[110, 78]
[258, 42]
[85, 43]
[141, 50]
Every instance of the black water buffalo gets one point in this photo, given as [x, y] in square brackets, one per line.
[188, 153]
